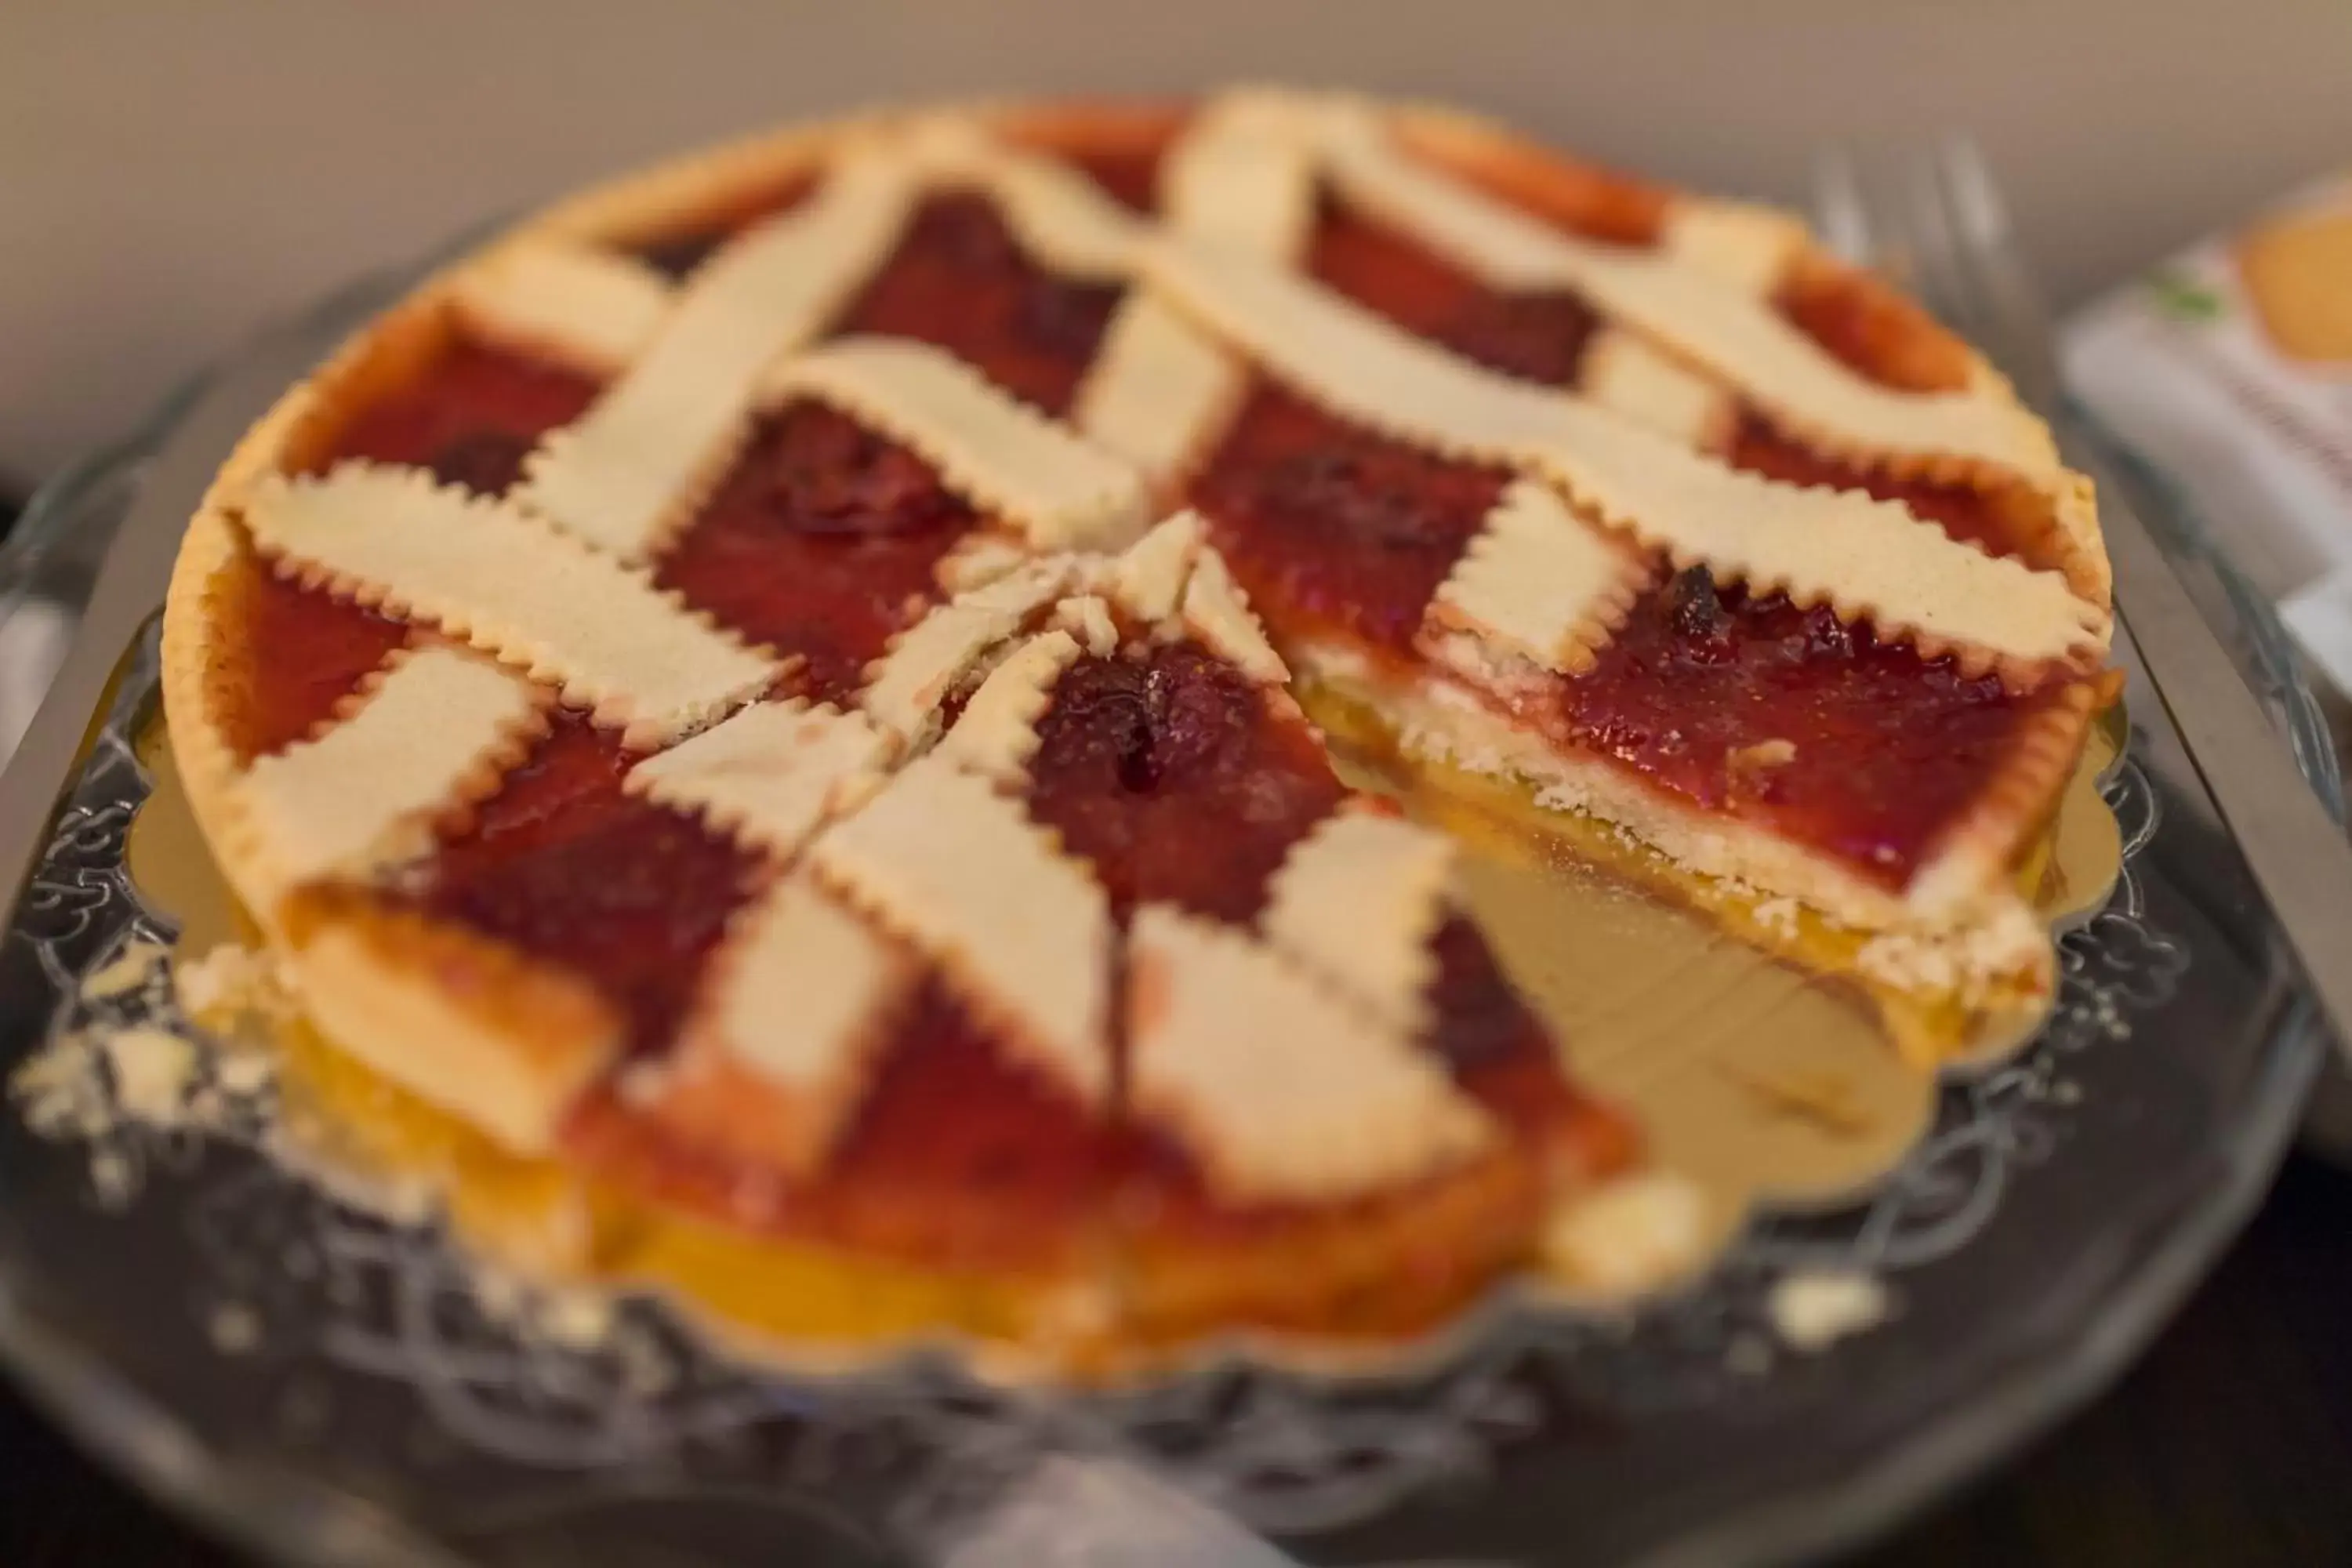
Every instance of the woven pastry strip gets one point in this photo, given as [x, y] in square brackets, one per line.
[1748, 247]
[1280, 1090]
[1216, 612]
[1695, 313]
[978, 558]
[1063, 219]
[1021, 931]
[644, 457]
[1002, 456]
[905, 688]
[1624, 372]
[1537, 585]
[1148, 579]
[996, 734]
[1869, 559]
[801, 995]
[1160, 389]
[437, 727]
[1088, 619]
[588, 307]
[485, 571]
[1358, 901]
[770, 774]
[1060, 217]
[1242, 176]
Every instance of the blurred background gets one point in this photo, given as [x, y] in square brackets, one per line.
[175, 173]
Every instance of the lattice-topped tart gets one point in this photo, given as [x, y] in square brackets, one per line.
[788, 686]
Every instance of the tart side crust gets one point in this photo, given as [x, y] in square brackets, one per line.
[455, 1018]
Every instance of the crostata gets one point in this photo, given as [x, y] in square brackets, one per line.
[796, 687]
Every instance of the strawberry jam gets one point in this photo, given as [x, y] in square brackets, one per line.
[561, 864]
[1170, 773]
[959, 280]
[1325, 524]
[1538, 337]
[1792, 719]
[297, 654]
[821, 541]
[1129, 175]
[472, 418]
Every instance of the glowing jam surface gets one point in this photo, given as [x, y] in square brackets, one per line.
[472, 418]
[1535, 336]
[961, 279]
[563, 865]
[1887, 749]
[1327, 524]
[822, 541]
[1170, 775]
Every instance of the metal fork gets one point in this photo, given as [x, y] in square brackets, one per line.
[1933, 219]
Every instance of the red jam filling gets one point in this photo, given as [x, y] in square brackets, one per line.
[957, 1157]
[563, 865]
[677, 255]
[1581, 198]
[471, 417]
[1170, 774]
[1702, 691]
[959, 280]
[1538, 337]
[1874, 331]
[1325, 523]
[822, 541]
[2006, 520]
[298, 653]
[1129, 176]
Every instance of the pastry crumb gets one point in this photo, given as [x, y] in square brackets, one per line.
[125, 973]
[1630, 1236]
[1812, 1311]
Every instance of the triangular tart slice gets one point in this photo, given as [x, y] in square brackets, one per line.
[1334, 1117]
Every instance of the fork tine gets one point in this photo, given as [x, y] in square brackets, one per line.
[1944, 277]
[1838, 209]
[2009, 297]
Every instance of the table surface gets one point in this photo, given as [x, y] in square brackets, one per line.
[2231, 1442]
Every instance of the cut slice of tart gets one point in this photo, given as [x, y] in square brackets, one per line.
[1335, 1117]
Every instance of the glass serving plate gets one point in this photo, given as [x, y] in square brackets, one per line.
[324, 1385]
